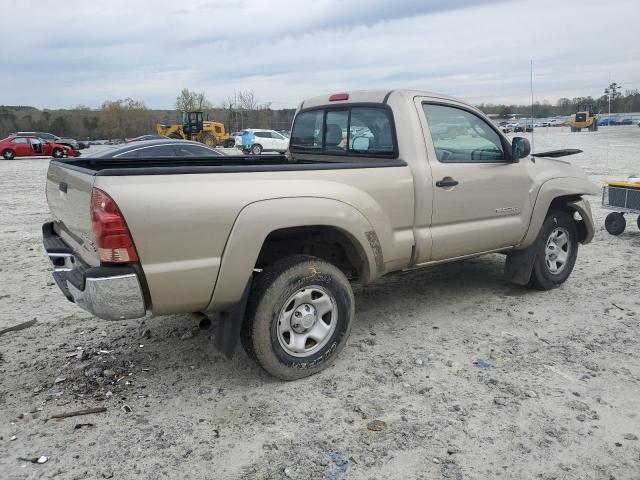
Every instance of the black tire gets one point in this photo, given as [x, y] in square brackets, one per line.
[542, 277]
[272, 289]
[8, 154]
[229, 143]
[573, 129]
[256, 149]
[57, 153]
[615, 223]
[210, 140]
[595, 125]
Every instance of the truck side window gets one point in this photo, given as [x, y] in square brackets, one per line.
[460, 136]
[307, 131]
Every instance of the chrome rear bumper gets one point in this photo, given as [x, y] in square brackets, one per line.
[111, 293]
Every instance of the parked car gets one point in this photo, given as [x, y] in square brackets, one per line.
[256, 141]
[142, 138]
[625, 121]
[50, 137]
[165, 148]
[31, 146]
[274, 243]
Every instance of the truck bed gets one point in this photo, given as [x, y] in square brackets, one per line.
[222, 164]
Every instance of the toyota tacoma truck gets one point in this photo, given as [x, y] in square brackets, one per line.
[373, 182]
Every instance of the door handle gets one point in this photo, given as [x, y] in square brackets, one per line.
[446, 182]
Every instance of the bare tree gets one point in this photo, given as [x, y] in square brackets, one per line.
[247, 100]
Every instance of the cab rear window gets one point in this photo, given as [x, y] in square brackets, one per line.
[356, 130]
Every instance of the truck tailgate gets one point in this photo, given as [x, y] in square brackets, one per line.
[69, 198]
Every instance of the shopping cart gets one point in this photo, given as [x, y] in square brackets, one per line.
[622, 197]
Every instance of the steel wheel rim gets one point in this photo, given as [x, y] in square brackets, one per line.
[557, 250]
[307, 321]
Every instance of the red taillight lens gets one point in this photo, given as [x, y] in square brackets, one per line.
[110, 231]
[338, 96]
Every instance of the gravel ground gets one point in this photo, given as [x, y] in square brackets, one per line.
[449, 373]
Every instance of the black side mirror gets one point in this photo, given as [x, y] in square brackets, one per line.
[520, 148]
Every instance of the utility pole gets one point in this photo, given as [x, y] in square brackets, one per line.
[609, 99]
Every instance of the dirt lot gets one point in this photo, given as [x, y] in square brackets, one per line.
[474, 378]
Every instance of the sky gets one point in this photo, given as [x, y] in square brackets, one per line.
[66, 53]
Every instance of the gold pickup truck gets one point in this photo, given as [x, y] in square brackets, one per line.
[374, 182]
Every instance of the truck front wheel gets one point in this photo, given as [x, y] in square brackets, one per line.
[299, 316]
[556, 251]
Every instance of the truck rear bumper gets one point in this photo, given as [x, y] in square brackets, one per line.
[111, 293]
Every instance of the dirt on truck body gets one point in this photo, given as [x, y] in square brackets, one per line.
[374, 182]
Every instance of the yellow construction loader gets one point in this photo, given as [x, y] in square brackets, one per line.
[584, 118]
[194, 127]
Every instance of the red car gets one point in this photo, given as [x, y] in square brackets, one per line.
[30, 146]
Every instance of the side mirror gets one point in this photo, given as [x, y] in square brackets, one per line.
[520, 148]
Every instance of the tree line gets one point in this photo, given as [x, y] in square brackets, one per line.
[626, 102]
[127, 117]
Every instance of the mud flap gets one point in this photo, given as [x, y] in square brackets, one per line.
[230, 324]
[519, 265]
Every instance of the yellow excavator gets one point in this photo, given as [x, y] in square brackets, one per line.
[194, 127]
[584, 118]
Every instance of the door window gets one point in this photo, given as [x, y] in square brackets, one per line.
[19, 140]
[460, 136]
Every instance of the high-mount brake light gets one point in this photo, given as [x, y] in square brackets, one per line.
[113, 239]
[338, 96]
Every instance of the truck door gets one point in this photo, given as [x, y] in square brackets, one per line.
[479, 193]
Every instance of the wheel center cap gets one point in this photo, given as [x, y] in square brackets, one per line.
[303, 318]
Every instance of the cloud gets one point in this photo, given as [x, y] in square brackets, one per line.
[82, 52]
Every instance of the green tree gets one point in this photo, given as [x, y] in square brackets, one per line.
[189, 101]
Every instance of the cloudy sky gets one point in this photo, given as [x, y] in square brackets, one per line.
[68, 52]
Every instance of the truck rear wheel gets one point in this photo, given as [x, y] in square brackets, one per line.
[556, 251]
[299, 316]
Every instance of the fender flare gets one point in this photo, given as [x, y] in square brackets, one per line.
[257, 220]
[519, 264]
[553, 189]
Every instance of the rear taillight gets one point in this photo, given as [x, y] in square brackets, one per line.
[113, 239]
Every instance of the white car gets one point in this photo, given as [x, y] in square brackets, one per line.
[256, 141]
